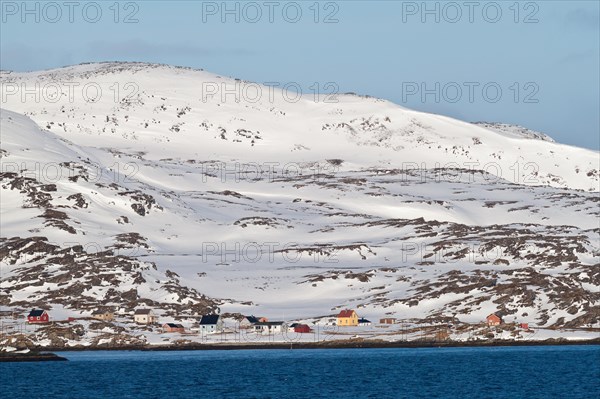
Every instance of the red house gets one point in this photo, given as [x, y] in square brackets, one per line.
[301, 328]
[38, 316]
[495, 319]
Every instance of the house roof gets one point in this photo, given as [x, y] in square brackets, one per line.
[209, 319]
[143, 311]
[173, 325]
[36, 312]
[252, 319]
[346, 313]
[364, 321]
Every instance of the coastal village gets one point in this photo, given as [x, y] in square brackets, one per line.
[143, 326]
[213, 323]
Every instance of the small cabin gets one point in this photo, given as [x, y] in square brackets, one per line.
[364, 322]
[144, 316]
[38, 316]
[173, 328]
[387, 320]
[347, 317]
[302, 329]
[211, 323]
[269, 327]
[494, 319]
[248, 322]
[103, 315]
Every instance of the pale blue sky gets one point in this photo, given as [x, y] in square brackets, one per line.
[380, 48]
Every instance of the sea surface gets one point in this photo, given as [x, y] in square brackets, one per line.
[501, 372]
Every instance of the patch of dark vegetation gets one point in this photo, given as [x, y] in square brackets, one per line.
[78, 274]
[80, 202]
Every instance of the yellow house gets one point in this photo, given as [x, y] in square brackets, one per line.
[104, 315]
[347, 317]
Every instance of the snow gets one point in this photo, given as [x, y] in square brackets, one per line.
[206, 188]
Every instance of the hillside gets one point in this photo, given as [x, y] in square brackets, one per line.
[163, 196]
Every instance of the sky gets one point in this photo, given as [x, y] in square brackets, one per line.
[535, 64]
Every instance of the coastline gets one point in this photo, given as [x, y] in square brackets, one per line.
[30, 357]
[325, 345]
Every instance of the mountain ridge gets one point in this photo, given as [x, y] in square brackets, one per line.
[377, 127]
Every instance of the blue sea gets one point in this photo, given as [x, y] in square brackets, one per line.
[560, 372]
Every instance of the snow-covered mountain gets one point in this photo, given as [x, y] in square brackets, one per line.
[158, 193]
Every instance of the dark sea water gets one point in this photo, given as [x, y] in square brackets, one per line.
[503, 372]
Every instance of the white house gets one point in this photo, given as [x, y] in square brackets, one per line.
[210, 324]
[248, 322]
[144, 316]
[270, 327]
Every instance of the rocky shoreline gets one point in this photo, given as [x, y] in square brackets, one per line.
[341, 344]
[30, 357]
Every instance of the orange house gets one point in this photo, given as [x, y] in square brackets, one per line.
[347, 317]
[494, 319]
[173, 328]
